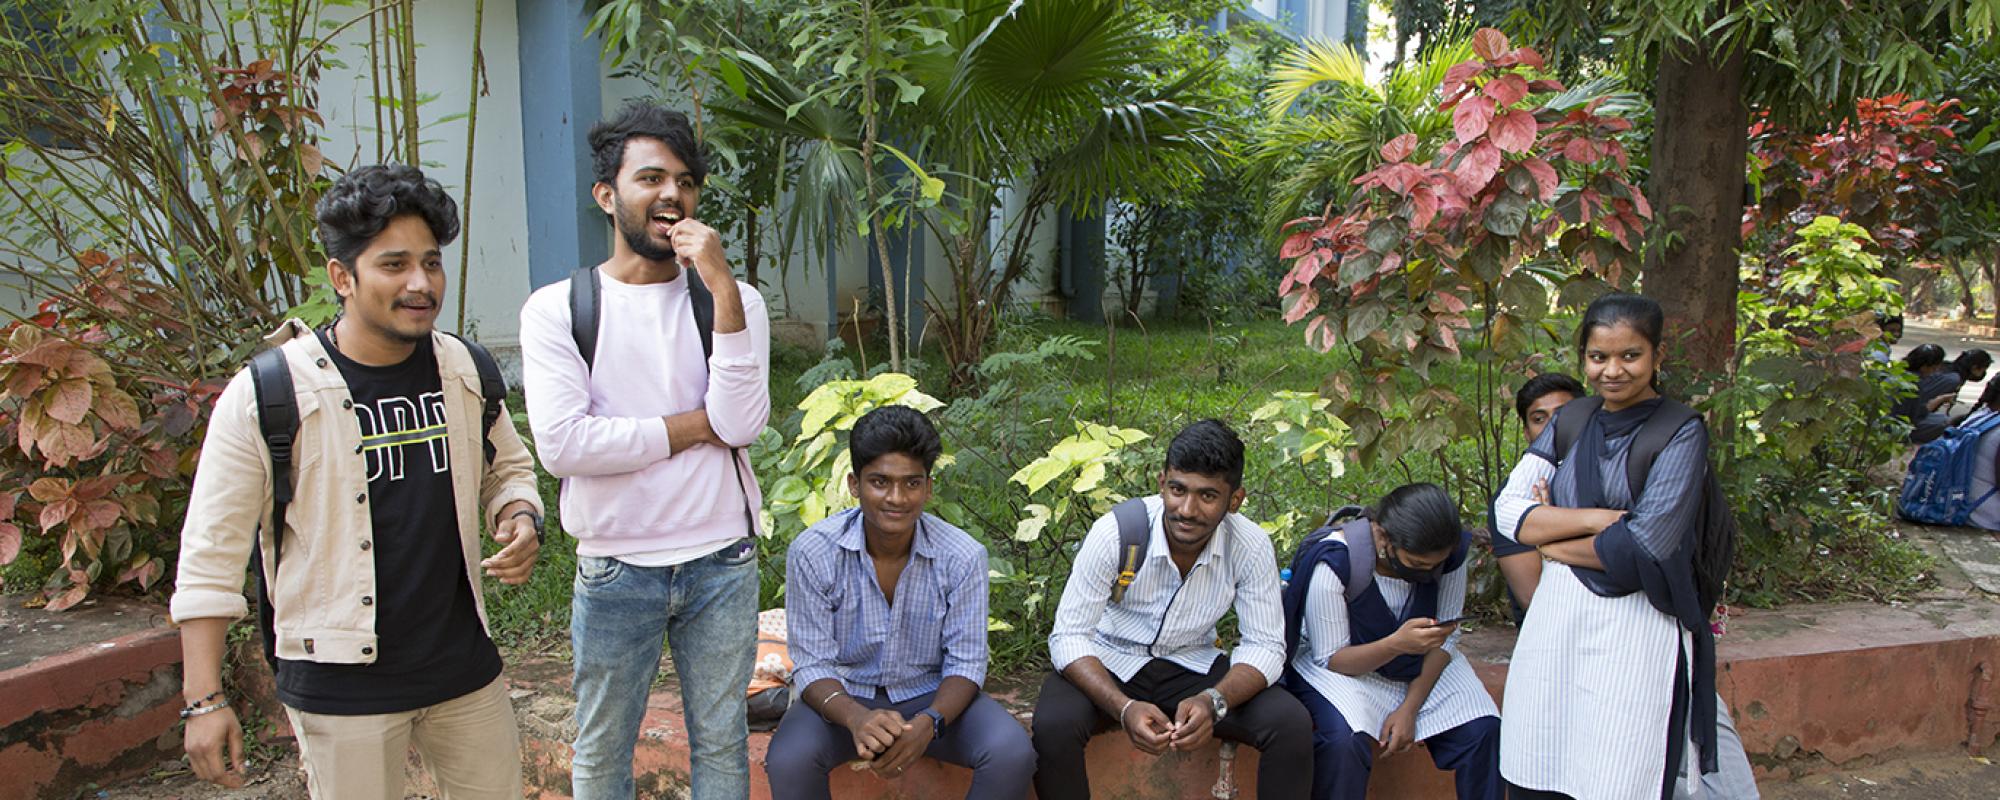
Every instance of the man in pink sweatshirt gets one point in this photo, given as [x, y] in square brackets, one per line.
[643, 430]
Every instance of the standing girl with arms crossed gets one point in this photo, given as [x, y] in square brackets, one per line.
[1617, 660]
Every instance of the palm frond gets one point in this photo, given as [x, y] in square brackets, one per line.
[1314, 62]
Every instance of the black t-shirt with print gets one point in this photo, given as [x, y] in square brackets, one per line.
[431, 647]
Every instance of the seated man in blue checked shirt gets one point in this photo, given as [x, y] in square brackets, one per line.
[885, 607]
[1146, 660]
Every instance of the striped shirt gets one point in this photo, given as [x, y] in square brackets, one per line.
[1164, 615]
[840, 626]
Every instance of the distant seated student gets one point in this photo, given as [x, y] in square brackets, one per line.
[1925, 362]
[1892, 332]
[1939, 389]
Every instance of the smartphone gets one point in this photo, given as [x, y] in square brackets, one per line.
[1443, 622]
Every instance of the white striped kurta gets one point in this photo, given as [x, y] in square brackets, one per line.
[1368, 699]
[1590, 689]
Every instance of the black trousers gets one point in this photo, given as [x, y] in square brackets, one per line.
[1273, 722]
[1525, 793]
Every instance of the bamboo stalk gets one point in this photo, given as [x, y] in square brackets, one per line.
[471, 129]
[375, 78]
[409, 78]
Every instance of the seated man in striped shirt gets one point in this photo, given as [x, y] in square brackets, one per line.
[1134, 643]
[885, 610]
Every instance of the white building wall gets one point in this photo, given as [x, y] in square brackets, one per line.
[496, 283]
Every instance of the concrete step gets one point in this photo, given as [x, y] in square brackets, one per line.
[87, 696]
[1815, 690]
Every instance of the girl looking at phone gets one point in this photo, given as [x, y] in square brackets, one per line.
[1371, 618]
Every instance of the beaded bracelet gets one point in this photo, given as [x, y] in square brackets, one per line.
[195, 711]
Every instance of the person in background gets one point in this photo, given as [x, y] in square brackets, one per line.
[1536, 402]
[1938, 390]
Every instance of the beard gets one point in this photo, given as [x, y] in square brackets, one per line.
[636, 228]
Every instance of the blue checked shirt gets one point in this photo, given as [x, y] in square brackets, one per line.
[1166, 616]
[839, 626]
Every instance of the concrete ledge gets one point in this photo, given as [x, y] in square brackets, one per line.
[1813, 689]
[90, 714]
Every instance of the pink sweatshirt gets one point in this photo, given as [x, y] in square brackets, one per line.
[627, 495]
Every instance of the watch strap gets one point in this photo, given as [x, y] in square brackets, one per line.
[1217, 701]
[937, 720]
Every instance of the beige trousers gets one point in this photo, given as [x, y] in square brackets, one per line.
[469, 744]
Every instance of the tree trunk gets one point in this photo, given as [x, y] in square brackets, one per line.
[1968, 303]
[1993, 282]
[750, 244]
[1699, 144]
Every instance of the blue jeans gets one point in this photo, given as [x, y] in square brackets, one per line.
[708, 609]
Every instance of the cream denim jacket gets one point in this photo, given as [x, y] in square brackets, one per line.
[324, 587]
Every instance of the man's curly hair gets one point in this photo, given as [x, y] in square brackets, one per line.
[363, 202]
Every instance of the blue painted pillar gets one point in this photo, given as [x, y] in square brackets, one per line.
[830, 258]
[560, 100]
[1357, 26]
[906, 251]
[1080, 261]
[1292, 15]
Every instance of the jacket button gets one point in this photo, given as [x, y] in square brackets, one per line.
[365, 544]
[349, 403]
[367, 601]
[357, 448]
[320, 362]
[368, 651]
[361, 498]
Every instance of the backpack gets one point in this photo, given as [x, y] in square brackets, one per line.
[278, 422]
[1715, 527]
[586, 287]
[1360, 560]
[1936, 490]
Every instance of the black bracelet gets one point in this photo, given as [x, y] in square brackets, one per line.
[530, 514]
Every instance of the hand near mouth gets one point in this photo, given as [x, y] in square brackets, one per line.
[697, 246]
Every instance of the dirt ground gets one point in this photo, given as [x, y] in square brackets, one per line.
[1945, 777]
[171, 780]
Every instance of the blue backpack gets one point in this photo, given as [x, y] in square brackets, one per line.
[1940, 480]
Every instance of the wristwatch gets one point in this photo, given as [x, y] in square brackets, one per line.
[1221, 705]
[533, 519]
[937, 721]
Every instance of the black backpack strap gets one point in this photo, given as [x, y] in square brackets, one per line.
[1570, 420]
[585, 288]
[492, 391]
[1135, 532]
[703, 303]
[1653, 436]
[278, 422]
